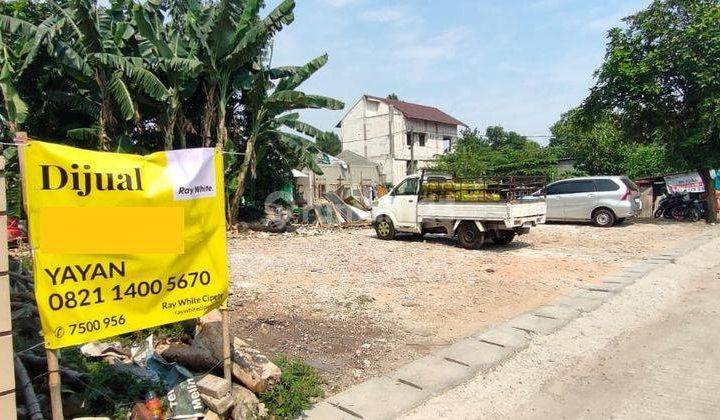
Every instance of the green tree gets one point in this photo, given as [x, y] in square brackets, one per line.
[270, 99]
[499, 153]
[393, 96]
[329, 143]
[600, 147]
[661, 79]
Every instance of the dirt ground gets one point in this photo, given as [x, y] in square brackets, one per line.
[354, 306]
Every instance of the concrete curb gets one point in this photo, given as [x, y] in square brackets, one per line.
[388, 396]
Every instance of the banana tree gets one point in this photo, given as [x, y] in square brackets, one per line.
[269, 108]
[16, 39]
[231, 38]
[90, 42]
[15, 109]
[172, 56]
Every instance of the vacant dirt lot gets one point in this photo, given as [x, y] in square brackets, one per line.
[355, 306]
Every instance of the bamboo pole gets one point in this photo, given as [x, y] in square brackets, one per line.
[54, 384]
[227, 362]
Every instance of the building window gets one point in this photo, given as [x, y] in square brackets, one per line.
[447, 143]
[373, 106]
[421, 139]
[408, 139]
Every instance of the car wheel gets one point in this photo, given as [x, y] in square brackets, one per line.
[504, 237]
[603, 218]
[470, 236]
[385, 229]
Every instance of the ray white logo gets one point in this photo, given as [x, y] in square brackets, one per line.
[192, 173]
[85, 181]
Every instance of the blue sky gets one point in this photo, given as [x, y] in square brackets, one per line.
[519, 64]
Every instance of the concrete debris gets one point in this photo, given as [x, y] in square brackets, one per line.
[211, 415]
[246, 404]
[213, 386]
[253, 369]
[219, 405]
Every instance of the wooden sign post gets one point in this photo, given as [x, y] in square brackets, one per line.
[54, 384]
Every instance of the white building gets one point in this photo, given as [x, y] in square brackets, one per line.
[401, 137]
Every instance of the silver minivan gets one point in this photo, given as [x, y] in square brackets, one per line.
[604, 200]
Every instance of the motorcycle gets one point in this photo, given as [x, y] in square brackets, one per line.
[680, 207]
[667, 204]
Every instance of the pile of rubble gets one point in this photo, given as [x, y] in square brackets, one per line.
[188, 371]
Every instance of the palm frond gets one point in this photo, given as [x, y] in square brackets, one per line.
[9, 24]
[121, 95]
[76, 102]
[287, 100]
[84, 134]
[303, 73]
[304, 128]
[143, 78]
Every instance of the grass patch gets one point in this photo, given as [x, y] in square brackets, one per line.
[299, 384]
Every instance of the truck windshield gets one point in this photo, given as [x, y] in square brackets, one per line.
[407, 187]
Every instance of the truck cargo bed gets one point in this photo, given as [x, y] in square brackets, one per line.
[490, 211]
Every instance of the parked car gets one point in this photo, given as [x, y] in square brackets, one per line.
[603, 200]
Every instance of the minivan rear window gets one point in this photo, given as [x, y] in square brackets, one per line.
[631, 185]
[606, 185]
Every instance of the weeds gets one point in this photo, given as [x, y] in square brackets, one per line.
[108, 391]
[299, 384]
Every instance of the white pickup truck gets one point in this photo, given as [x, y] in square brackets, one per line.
[497, 212]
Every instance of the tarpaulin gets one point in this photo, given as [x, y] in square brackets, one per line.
[123, 242]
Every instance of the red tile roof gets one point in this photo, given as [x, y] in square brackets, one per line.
[419, 112]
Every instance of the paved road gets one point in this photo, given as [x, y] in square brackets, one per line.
[651, 352]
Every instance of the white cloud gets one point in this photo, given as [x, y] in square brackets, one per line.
[443, 46]
[396, 15]
[340, 3]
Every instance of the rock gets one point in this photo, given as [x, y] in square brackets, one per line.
[219, 405]
[213, 386]
[262, 411]
[211, 415]
[246, 403]
[253, 369]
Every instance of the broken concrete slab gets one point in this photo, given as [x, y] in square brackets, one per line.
[557, 312]
[433, 373]
[536, 324]
[326, 411]
[474, 353]
[219, 405]
[379, 398]
[506, 336]
[213, 386]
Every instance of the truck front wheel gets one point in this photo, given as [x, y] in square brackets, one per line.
[470, 236]
[384, 228]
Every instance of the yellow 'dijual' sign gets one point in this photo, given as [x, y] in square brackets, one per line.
[123, 242]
